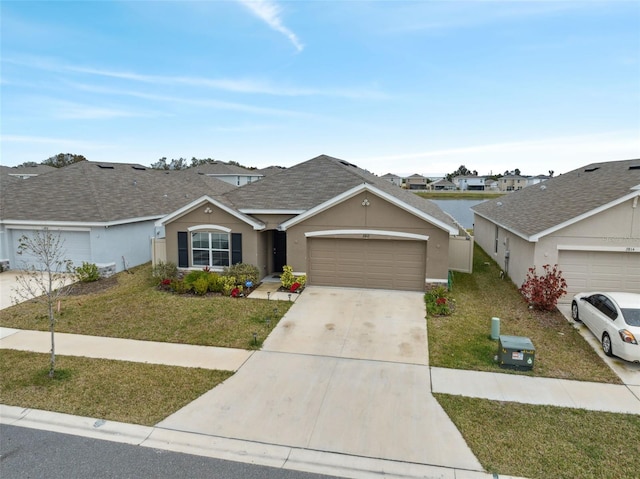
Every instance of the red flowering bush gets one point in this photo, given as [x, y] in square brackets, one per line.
[543, 292]
[294, 287]
[235, 292]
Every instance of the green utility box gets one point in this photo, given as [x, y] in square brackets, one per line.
[516, 352]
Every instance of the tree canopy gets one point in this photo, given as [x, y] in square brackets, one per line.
[63, 159]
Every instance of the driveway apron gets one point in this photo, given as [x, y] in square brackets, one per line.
[345, 371]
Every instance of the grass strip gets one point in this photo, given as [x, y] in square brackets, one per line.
[463, 339]
[123, 391]
[135, 309]
[541, 442]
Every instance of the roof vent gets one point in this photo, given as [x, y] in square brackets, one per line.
[138, 167]
[106, 167]
[593, 168]
[635, 167]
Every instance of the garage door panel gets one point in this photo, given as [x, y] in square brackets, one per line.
[599, 270]
[370, 263]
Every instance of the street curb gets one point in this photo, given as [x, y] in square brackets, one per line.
[283, 457]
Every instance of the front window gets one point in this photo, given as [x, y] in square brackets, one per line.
[210, 248]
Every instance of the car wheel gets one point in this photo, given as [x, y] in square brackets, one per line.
[574, 311]
[606, 345]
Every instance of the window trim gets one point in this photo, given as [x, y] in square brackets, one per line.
[210, 229]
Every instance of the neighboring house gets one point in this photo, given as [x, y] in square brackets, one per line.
[232, 174]
[105, 212]
[327, 218]
[270, 170]
[491, 185]
[587, 221]
[393, 179]
[535, 180]
[512, 183]
[442, 185]
[470, 183]
[416, 182]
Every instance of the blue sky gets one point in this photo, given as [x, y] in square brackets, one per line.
[393, 86]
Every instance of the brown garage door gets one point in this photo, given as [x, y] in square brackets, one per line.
[599, 270]
[367, 263]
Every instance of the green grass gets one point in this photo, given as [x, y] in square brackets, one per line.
[463, 339]
[541, 442]
[135, 309]
[112, 390]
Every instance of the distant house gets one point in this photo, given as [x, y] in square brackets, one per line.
[270, 170]
[491, 185]
[393, 179]
[587, 221]
[416, 182]
[512, 183]
[535, 180]
[470, 183]
[442, 185]
[105, 213]
[232, 174]
[327, 218]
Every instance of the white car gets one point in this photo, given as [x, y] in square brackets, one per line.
[614, 318]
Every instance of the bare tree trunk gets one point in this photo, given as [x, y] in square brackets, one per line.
[52, 362]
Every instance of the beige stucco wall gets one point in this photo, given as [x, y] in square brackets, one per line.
[615, 228]
[250, 241]
[380, 214]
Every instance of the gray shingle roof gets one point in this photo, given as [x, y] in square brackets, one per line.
[538, 208]
[219, 168]
[308, 184]
[103, 192]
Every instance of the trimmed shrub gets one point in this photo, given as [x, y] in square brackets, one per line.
[243, 272]
[201, 286]
[179, 286]
[194, 276]
[287, 279]
[228, 284]
[437, 302]
[164, 270]
[216, 283]
[87, 273]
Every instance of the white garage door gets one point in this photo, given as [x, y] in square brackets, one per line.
[75, 244]
[599, 270]
[367, 263]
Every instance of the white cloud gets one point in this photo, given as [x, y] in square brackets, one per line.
[270, 12]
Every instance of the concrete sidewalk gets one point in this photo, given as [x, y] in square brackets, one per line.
[171, 354]
[532, 390]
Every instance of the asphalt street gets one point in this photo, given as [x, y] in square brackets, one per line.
[33, 453]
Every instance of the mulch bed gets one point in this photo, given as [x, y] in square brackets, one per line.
[102, 284]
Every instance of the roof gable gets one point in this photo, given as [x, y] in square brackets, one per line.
[371, 189]
[186, 209]
[544, 208]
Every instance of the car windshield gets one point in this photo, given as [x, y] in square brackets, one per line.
[631, 316]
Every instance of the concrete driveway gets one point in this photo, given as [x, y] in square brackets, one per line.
[9, 288]
[344, 371]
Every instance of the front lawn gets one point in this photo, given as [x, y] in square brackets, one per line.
[541, 442]
[122, 391]
[463, 339]
[132, 307]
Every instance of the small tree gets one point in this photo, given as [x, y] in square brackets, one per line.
[45, 276]
[543, 292]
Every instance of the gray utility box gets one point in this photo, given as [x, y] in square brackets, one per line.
[516, 352]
